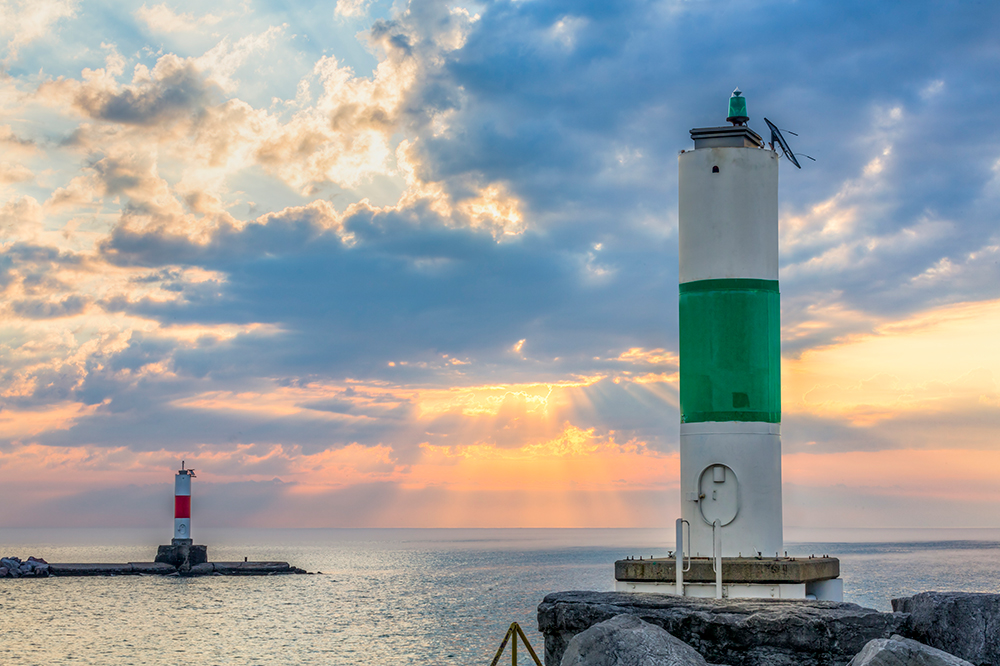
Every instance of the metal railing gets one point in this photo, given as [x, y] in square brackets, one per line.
[679, 568]
[717, 556]
[515, 631]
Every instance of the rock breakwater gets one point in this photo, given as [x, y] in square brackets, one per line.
[764, 632]
[13, 567]
[34, 567]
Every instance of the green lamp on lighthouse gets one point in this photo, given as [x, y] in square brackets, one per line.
[738, 109]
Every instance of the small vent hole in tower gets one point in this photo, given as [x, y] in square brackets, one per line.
[715, 169]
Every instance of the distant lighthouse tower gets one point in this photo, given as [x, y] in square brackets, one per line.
[182, 506]
[729, 537]
[182, 551]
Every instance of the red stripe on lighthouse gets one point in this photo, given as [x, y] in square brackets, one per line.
[182, 506]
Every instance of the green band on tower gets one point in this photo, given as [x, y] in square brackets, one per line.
[730, 351]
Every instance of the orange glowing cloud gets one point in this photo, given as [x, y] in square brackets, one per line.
[940, 361]
[576, 459]
[25, 423]
[52, 471]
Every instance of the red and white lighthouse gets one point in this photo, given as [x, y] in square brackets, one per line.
[182, 506]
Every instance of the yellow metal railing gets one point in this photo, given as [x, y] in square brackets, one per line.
[514, 632]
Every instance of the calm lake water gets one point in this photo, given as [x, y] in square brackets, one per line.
[390, 596]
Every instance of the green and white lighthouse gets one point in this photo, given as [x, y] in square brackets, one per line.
[729, 536]
[730, 357]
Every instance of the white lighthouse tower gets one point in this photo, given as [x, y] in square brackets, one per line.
[729, 536]
[730, 357]
[182, 506]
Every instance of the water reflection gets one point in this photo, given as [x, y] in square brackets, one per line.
[385, 596]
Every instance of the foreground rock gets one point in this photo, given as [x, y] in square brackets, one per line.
[899, 651]
[965, 624]
[625, 640]
[745, 632]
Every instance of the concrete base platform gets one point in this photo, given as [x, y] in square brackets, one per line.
[181, 554]
[824, 590]
[736, 569]
[742, 577]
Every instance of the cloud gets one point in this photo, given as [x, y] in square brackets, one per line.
[451, 248]
[871, 489]
[160, 18]
[345, 136]
[14, 173]
[425, 284]
[44, 309]
[352, 8]
[174, 87]
[20, 217]
[24, 21]
[359, 485]
[14, 144]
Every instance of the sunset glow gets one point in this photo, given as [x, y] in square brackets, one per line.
[415, 263]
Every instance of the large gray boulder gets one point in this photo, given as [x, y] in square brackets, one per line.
[741, 632]
[899, 651]
[965, 624]
[625, 640]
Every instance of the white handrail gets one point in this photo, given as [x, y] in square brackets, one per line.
[717, 553]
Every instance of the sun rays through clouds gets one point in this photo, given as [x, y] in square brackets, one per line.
[415, 263]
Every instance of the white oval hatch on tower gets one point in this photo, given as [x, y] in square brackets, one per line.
[719, 491]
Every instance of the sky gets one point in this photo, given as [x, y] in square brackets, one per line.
[414, 264]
